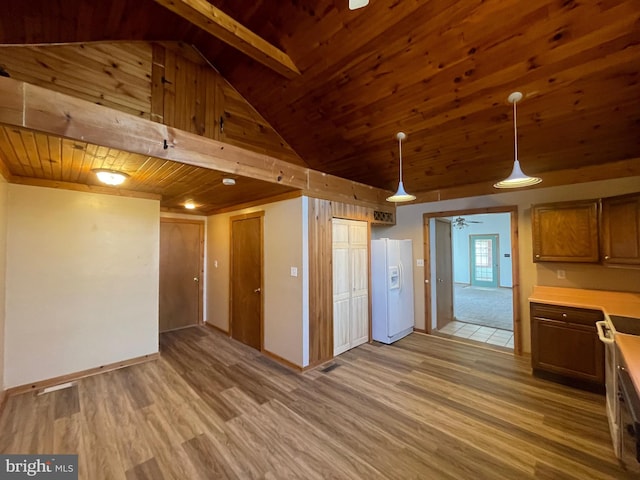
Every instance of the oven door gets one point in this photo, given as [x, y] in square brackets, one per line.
[606, 336]
[629, 421]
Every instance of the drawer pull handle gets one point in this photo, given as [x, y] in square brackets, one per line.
[606, 257]
[564, 315]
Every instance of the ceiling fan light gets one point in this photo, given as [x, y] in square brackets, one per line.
[401, 196]
[517, 178]
[110, 177]
[356, 4]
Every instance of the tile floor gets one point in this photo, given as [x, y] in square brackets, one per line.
[492, 336]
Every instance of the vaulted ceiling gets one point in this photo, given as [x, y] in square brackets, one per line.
[439, 70]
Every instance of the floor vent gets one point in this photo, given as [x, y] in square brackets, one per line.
[55, 388]
[333, 366]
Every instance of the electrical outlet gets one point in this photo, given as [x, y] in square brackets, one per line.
[294, 271]
[561, 274]
[420, 262]
[215, 264]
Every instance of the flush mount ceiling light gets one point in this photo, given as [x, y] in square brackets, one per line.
[190, 205]
[401, 195]
[356, 4]
[110, 177]
[228, 181]
[517, 178]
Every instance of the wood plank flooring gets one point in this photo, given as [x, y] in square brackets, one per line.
[423, 408]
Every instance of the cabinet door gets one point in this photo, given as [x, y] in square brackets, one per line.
[565, 232]
[567, 349]
[621, 230]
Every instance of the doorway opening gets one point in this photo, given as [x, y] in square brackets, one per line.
[471, 263]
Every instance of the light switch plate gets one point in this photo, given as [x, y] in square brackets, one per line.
[294, 271]
[420, 262]
[561, 274]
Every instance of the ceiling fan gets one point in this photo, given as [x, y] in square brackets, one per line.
[461, 222]
[355, 4]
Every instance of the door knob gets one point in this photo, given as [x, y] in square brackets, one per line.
[257, 290]
[196, 279]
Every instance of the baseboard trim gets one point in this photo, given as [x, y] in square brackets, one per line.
[50, 382]
[216, 328]
[3, 400]
[282, 361]
[419, 330]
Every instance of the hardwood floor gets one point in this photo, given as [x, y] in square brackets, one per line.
[423, 408]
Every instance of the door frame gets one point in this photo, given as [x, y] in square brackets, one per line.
[495, 248]
[235, 218]
[201, 258]
[515, 264]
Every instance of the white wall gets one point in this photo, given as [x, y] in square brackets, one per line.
[285, 308]
[493, 223]
[3, 271]
[409, 225]
[82, 281]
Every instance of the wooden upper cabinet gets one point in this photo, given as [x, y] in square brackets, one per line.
[621, 230]
[565, 232]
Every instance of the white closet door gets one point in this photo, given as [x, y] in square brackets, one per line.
[359, 253]
[341, 289]
[350, 285]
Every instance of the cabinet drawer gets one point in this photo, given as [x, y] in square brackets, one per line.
[567, 314]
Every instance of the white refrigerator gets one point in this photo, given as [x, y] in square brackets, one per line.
[392, 289]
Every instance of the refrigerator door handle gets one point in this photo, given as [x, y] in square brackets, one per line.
[401, 276]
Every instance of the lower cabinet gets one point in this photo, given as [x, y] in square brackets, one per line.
[565, 344]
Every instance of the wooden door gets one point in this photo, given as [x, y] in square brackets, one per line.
[350, 284]
[181, 267]
[359, 266]
[483, 252]
[341, 287]
[246, 279]
[444, 273]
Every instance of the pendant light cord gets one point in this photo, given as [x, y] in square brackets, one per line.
[400, 142]
[515, 130]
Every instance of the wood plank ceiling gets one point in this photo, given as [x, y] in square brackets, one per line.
[439, 70]
[60, 161]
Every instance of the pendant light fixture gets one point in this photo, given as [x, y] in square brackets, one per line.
[517, 178]
[401, 195]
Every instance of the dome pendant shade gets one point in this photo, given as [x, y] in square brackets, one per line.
[401, 195]
[517, 178]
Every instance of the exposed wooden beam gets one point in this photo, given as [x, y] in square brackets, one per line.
[214, 21]
[36, 108]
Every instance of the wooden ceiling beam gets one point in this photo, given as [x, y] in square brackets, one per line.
[217, 23]
[35, 108]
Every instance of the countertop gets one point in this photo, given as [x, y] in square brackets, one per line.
[625, 304]
[629, 346]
